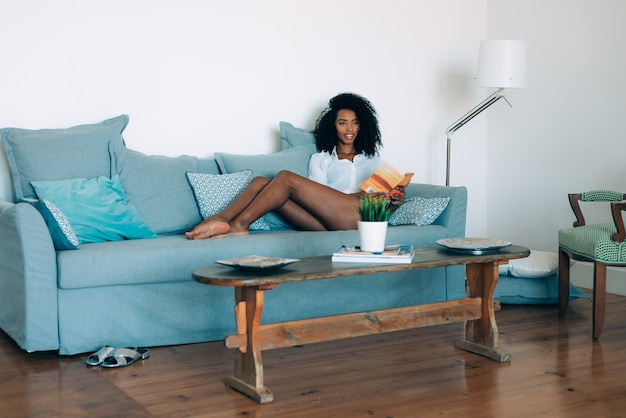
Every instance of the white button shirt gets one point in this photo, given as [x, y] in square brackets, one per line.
[343, 175]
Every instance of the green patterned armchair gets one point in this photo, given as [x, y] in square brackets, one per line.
[601, 244]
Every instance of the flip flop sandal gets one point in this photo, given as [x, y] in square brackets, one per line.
[121, 357]
[98, 357]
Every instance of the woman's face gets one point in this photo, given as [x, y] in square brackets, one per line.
[347, 126]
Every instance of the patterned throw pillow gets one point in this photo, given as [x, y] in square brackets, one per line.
[61, 232]
[419, 211]
[214, 192]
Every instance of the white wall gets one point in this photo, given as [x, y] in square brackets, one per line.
[203, 76]
[563, 134]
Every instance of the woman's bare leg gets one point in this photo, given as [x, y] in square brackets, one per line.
[299, 218]
[219, 224]
[306, 204]
[327, 207]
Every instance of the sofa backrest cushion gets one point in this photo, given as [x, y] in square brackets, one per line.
[157, 186]
[294, 159]
[59, 154]
[291, 137]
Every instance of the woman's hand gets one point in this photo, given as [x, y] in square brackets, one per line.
[396, 196]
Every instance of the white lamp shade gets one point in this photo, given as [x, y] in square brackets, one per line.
[502, 64]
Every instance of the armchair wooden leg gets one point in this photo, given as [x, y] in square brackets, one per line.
[563, 282]
[599, 298]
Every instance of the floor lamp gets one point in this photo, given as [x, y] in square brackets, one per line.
[501, 64]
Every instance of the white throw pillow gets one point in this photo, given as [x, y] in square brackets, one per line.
[537, 265]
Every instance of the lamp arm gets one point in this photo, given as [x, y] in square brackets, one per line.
[494, 97]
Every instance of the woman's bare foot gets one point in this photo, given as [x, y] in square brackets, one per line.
[233, 232]
[209, 228]
[236, 230]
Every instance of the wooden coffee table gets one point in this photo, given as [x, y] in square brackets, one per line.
[481, 331]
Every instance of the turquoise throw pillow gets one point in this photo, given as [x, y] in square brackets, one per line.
[291, 137]
[61, 232]
[419, 211]
[214, 192]
[96, 208]
[295, 160]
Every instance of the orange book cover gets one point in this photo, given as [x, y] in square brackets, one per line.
[385, 179]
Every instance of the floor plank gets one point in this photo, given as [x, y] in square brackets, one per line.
[556, 371]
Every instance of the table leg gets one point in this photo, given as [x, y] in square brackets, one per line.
[248, 377]
[481, 335]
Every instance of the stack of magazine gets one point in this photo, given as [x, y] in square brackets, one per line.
[394, 254]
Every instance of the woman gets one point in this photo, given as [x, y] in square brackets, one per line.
[347, 138]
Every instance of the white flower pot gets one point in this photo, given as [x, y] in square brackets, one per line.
[372, 236]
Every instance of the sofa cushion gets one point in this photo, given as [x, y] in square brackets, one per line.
[291, 137]
[59, 154]
[524, 291]
[96, 208]
[215, 191]
[173, 258]
[294, 159]
[61, 232]
[418, 211]
[595, 242]
[158, 188]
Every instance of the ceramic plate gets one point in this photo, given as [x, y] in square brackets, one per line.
[257, 262]
[473, 245]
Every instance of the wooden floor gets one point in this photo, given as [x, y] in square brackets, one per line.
[556, 371]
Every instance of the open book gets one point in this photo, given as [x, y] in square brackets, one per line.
[385, 179]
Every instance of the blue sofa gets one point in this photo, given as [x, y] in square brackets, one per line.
[139, 292]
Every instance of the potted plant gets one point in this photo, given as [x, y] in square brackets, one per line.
[374, 212]
[374, 208]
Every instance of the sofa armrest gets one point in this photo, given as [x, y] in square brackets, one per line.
[453, 219]
[454, 216]
[28, 299]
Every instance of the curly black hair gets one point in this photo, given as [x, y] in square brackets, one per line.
[368, 139]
